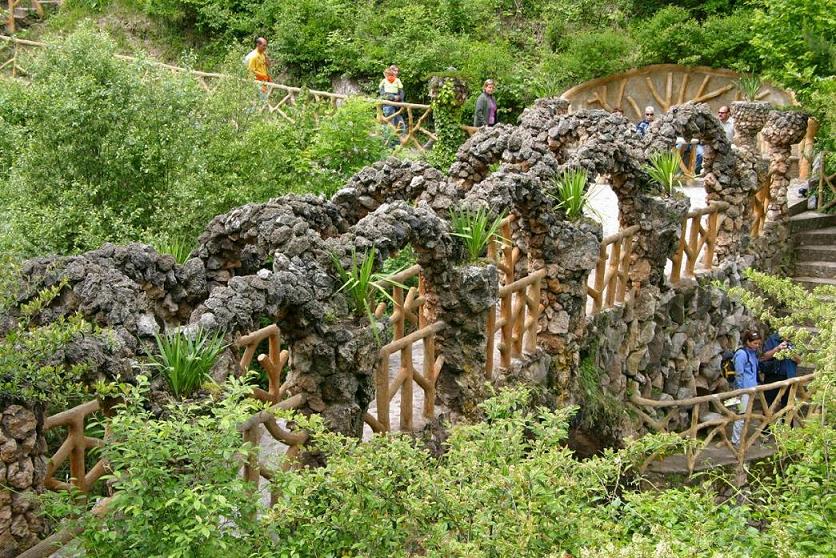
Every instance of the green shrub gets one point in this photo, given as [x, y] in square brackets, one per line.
[186, 358]
[360, 282]
[671, 36]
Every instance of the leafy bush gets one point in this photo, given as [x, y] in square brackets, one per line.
[476, 229]
[185, 359]
[116, 150]
[671, 35]
[361, 282]
[31, 369]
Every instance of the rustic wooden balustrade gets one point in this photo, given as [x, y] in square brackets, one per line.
[254, 467]
[406, 312]
[709, 419]
[609, 282]
[279, 96]
[760, 203]
[699, 237]
[75, 448]
[273, 363]
[35, 5]
[830, 182]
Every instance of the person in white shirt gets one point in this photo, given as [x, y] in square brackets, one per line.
[725, 119]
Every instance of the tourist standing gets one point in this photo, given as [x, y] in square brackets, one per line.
[644, 124]
[258, 64]
[727, 121]
[485, 113]
[775, 370]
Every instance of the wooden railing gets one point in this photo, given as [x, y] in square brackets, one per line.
[37, 6]
[710, 419]
[700, 239]
[252, 429]
[272, 363]
[406, 314]
[505, 255]
[689, 166]
[830, 182]
[760, 204]
[279, 96]
[74, 448]
[609, 282]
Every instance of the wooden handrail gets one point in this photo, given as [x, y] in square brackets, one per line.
[722, 396]
[609, 282]
[699, 237]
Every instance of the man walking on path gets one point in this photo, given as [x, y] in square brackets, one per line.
[258, 64]
[485, 113]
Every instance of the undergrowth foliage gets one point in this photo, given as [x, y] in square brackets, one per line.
[186, 358]
[477, 229]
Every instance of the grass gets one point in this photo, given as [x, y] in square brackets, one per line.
[664, 170]
[602, 411]
[476, 229]
[185, 360]
[360, 282]
[571, 193]
[179, 249]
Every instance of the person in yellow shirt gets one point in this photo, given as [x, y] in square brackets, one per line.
[258, 65]
[391, 89]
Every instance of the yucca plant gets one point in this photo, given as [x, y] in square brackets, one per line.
[749, 85]
[179, 249]
[477, 229]
[571, 193]
[361, 282]
[664, 169]
[186, 359]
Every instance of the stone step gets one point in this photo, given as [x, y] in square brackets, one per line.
[811, 283]
[822, 269]
[815, 252]
[811, 220]
[798, 208]
[820, 237]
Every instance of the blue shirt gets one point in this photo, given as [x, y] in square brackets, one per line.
[745, 368]
[641, 127]
[785, 367]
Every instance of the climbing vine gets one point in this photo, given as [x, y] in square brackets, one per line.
[448, 96]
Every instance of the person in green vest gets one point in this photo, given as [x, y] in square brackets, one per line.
[485, 113]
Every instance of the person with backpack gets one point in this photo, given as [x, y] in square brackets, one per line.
[746, 366]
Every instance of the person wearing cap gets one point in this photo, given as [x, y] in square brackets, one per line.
[485, 113]
[649, 115]
[746, 363]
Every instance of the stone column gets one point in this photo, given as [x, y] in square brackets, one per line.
[781, 132]
[334, 367]
[749, 118]
[660, 221]
[22, 473]
[464, 305]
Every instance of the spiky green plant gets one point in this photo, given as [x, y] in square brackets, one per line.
[749, 85]
[476, 229]
[178, 248]
[186, 359]
[571, 193]
[665, 171]
[360, 281]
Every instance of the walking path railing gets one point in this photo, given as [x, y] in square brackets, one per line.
[609, 282]
[272, 363]
[760, 203]
[74, 448]
[406, 314]
[830, 182]
[709, 419]
[279, 96]
[700, 239]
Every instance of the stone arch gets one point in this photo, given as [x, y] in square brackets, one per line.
[664, 86]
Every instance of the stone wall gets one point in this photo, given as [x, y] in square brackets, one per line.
[666, 343]
[22, 473]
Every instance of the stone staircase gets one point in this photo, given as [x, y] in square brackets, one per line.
[814, 238]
